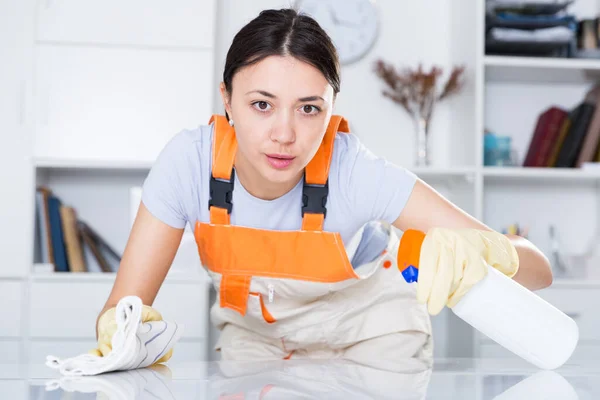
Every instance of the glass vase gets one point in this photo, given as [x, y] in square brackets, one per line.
[422, 142]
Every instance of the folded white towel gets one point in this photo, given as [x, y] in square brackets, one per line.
[134, 344]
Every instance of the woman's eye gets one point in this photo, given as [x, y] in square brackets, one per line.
[310, 109]
[261, 105]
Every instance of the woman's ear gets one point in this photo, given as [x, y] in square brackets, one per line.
[226, 97]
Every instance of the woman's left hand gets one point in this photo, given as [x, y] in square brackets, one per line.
[454, 260]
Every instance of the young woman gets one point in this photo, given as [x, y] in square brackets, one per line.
[293, 216]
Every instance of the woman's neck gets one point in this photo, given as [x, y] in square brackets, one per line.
[259, 187]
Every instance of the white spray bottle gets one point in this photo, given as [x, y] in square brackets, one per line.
[506, 312]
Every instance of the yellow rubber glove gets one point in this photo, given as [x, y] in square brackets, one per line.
[107, 326]
[453, 260]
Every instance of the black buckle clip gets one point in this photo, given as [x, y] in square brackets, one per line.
[221, 192]
[314, 198]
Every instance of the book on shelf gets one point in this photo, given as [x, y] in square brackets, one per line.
[571, 146]
[567, 138]
[547, 132]
[66, 241]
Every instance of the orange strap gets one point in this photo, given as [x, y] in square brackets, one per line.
[219, 215]
[313, 222]
[265, 313]
[234, 292]
[224, 146]
[317, 170]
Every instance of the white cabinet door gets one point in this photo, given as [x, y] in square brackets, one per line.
[117, 104]
[66, 310]
[10, 309]
[12, 353]
[16, 174]
[188, 23]
[14, 389]
[69, 310]
[579, 304]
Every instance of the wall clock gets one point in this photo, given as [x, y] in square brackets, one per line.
[353, 25]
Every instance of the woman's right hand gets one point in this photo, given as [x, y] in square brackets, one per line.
[149, 253]
[107, 326]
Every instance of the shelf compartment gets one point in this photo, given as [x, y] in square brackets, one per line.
[541, 69]
[538, 204]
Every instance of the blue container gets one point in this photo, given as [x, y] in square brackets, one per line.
[497, 150]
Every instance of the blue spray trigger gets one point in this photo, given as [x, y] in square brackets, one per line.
[410, 274]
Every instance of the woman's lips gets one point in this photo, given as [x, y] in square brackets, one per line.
[279, 161]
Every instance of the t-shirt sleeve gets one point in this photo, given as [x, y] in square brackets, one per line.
[167, 187]
[374, 188]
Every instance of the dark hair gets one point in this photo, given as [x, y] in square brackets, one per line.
[283, 32]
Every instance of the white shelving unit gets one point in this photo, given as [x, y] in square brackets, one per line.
[506, 94]
[510, 94]
[94, 108]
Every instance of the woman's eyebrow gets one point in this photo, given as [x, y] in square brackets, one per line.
[311, 98]
[266, 94]
[272, 96]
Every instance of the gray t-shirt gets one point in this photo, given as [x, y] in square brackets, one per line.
[362, 188]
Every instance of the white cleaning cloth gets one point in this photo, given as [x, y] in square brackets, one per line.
[134, 344]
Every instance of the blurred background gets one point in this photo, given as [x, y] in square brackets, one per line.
[91, 91]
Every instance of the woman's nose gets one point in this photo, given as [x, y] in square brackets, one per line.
[283, 129]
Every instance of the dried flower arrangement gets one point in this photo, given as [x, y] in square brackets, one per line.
[416, 90]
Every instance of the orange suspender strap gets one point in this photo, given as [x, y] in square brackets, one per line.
[221, 192]
[224, 146]
[315, 191]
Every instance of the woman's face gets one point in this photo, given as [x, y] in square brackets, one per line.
[280, 107]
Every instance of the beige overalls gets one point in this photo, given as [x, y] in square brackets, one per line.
[296, 294]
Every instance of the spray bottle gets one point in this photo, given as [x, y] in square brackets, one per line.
[506, 312]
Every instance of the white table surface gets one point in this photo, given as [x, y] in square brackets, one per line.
[411, 379]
